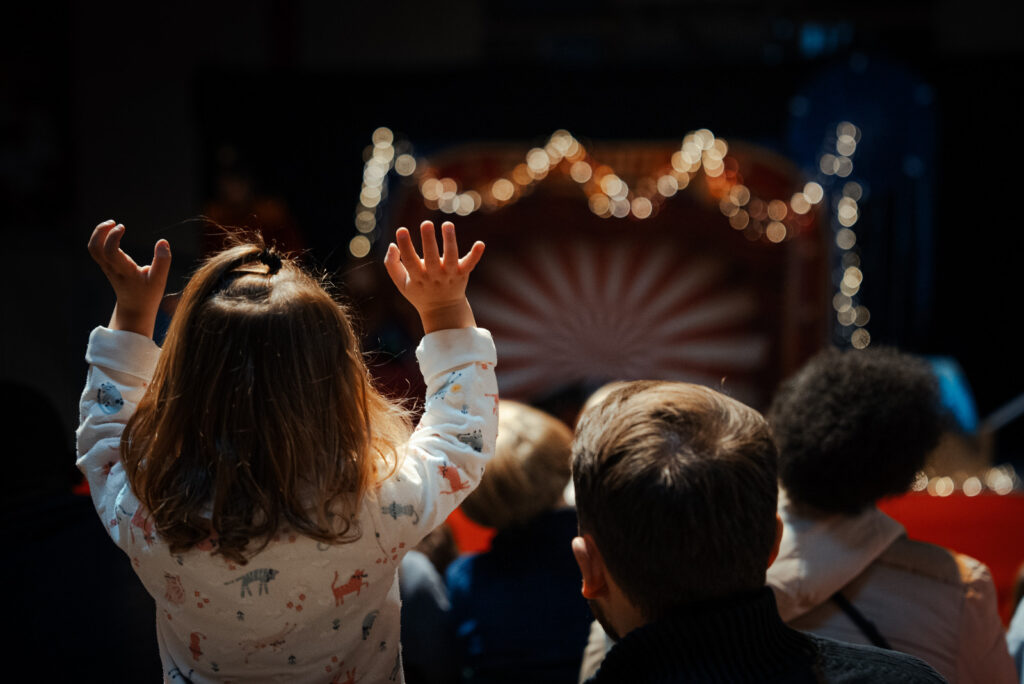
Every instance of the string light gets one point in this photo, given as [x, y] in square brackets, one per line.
[1000, 480]
[609, 194]
[836, 162]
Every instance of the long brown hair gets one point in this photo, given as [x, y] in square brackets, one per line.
[261, 413]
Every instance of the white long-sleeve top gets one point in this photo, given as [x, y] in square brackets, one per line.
[300, 610]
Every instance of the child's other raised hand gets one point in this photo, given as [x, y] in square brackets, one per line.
[139, 289]
[435, 284]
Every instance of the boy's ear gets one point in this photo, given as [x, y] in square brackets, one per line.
[778, 540]
[588, 557]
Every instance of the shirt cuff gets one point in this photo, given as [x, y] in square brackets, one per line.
[453, 348]
[123, 351]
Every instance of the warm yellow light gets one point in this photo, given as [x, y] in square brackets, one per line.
[777, 210]
[431, 189]
[641, 207]
[727, 207]
[464, 204]
[860, 339]
[739, 194]
[448, 203]
[575, 151]
[620, 208]
[704, 138]
[846, 145]
[359, 246]
[502, 189]
[843, 167]
[369, 197]
[846, 239]
[668, 185]
[383, 137]
[599, 204]
[691, 154]
[798, 202]
[581, 172]
[841, 302]
[814, 192]
[740, 219]
[972, 486]
[538, 161]
[613, 186]
[521, 174]
[365, 221]
[679, 163]
[827, 164]
[776, 231]
[863, 316]
[848, 129]
[405, 165]
[384, 154]
[853, 190]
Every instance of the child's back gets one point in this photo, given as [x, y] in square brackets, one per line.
[307, 606]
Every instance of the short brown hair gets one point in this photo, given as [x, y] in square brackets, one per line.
[529, 471]
[676, 483]
[261, 412]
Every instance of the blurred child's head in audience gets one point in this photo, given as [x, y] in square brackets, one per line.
[529, 471]
[676, 487]
[853, 427]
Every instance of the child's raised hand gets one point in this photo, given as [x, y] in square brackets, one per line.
[139, 289]
[435, 284]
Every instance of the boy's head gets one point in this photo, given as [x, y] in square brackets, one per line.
[529, 471]
[853, 427]
[676, 496]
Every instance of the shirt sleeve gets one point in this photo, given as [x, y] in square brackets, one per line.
[445, 456]
[121, 365]
[984, 656]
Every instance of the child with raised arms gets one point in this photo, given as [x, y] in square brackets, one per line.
[263, 490]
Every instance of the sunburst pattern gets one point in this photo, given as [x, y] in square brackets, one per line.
[568, 313]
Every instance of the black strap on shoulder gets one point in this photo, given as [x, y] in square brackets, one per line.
[866, 627]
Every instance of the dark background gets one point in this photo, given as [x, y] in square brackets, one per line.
[124, 111]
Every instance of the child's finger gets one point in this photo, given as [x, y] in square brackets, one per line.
[112, 245]
[451, 246]
[97, 239]
[393, 264]
[430, 253]
[469, 262]
[406, 248]
[161, 264]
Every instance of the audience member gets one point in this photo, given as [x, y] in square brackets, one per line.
[56, 554]
[263, 489]
[428, 639]
[676, 493]
[517, 609]
[853, 427]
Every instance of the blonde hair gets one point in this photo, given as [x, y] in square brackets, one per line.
[529, 471]
[261, 412]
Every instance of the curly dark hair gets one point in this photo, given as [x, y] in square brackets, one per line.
[854, 426]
